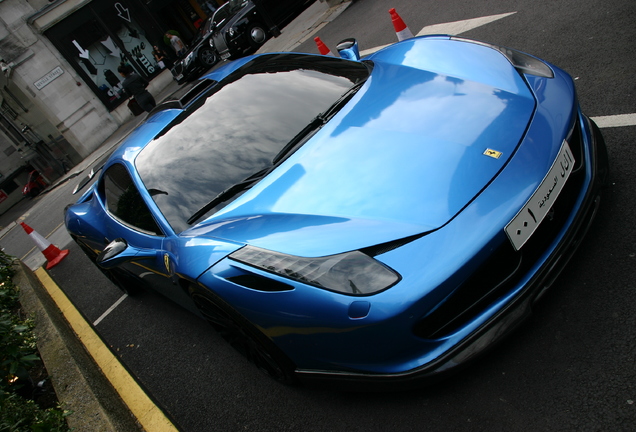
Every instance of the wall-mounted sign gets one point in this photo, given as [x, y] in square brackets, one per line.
[46, 79]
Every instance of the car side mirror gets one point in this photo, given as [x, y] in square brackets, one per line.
[118, 252]
[348, 49]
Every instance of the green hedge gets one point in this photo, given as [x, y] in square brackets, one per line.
[18, 360]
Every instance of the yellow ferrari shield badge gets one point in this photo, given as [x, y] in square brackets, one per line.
[166, 262]
[493, 153]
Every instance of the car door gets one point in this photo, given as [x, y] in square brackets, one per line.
[130, 218]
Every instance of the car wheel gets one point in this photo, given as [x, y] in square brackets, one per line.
[34, 192]
[256, 35]
[244, 337]
[208, 57]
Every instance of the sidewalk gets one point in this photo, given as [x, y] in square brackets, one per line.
[307, 24]
[80, 384]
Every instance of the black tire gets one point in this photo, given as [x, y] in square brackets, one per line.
[244, 337]
[256, 35]
[208, 57]
[123, 280]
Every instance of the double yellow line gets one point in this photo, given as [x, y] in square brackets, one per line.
[150, 417]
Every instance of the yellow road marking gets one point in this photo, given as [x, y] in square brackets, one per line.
[27, 254]
[150, 417]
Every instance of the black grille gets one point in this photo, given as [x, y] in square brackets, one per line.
[177, 69]
[220, 44]
[389, 246]
[260, 283]
[503, 270]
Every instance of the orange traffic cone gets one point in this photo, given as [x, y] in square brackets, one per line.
[324, 50]
[52, 254]
[401, 30]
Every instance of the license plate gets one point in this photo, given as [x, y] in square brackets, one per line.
[524, 224]
[179, 77]
[225, 56]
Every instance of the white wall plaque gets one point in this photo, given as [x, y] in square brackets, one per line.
[46, 79]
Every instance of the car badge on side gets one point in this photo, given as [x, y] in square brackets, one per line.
[493, 153]
[166, 262]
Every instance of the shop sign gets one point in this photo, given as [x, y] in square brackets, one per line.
[46, 79]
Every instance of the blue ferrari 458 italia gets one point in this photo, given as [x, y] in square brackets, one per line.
[375, 221]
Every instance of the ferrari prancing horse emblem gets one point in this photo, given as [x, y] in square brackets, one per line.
[493, 153]
[166, 262]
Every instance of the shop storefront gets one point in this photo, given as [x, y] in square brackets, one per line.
[101, 35]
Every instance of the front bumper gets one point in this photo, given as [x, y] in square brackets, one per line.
[235, 46]
[509, 316]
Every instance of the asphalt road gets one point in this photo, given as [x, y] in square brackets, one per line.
[571, 367]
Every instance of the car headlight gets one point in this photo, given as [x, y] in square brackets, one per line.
[523, 62]
[188, 59]
[353, 273]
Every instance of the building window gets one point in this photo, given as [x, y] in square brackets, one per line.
[8, 111]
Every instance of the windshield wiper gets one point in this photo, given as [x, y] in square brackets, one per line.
[229, 193]
[317, 123]
[342, 101]
[299, 138]
[312, 126]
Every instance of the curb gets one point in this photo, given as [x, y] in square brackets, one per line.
[79, 384]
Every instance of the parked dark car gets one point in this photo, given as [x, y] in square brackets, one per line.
[252, 23]
[35, 184]
[201, 56]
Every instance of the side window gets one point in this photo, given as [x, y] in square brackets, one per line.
[124, 201]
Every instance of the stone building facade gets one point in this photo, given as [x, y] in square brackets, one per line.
[60, 93]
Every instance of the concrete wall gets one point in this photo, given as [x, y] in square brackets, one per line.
[9, 160]
[66, 102]
[12, 200]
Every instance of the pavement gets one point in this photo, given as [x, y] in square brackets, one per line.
[97, 404]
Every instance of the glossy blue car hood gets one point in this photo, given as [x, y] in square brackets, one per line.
[402, 158]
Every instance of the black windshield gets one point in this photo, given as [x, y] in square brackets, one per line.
[239, 128]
